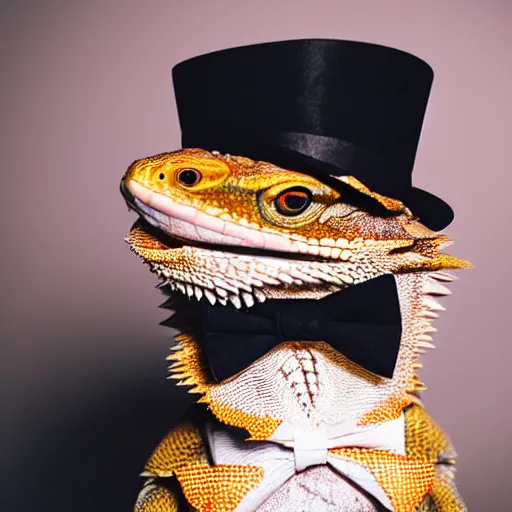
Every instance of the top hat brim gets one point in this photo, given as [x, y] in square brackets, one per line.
[431, 210]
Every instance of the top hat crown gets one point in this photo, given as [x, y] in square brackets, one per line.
[317, 106]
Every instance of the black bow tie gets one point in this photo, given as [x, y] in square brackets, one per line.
[363, 322]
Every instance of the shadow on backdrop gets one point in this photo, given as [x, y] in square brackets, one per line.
[90, 458]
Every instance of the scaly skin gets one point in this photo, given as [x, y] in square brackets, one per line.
[227, 237]
[331, 245]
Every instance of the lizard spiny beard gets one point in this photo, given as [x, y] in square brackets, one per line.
[224, 277]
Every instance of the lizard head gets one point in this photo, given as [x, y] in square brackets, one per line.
[234, 230]
[199, 206]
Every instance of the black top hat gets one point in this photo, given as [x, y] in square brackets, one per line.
[317, 106]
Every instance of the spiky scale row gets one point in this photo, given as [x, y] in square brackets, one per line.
[432, 290]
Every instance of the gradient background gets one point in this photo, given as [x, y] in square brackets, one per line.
[86, 89]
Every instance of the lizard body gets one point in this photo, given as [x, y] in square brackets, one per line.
[233, 231]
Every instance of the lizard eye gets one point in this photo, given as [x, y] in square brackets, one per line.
[293, 201]
[188, 177]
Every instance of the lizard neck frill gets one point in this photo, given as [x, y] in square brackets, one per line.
[309, 384]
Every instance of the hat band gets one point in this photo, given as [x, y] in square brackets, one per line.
[376, 171]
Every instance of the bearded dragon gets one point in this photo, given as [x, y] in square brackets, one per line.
[237, 232]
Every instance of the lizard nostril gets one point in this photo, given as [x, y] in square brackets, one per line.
[161, 175]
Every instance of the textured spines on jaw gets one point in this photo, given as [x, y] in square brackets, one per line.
[437, 262]
[243, 280]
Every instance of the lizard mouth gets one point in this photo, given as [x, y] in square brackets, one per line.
[176, 225]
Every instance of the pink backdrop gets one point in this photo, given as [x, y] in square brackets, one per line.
[86, 89]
